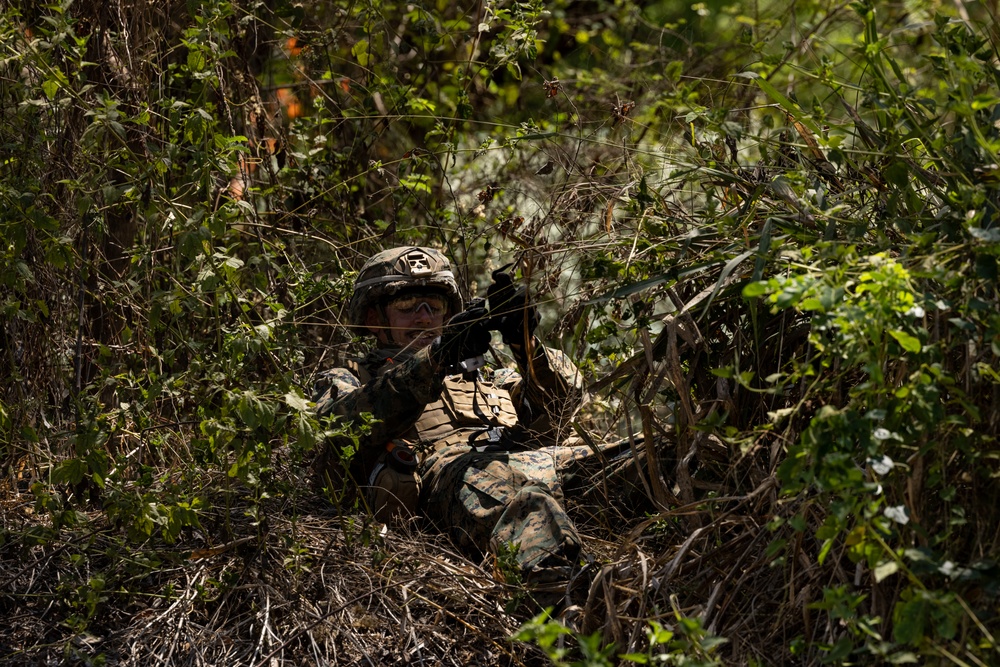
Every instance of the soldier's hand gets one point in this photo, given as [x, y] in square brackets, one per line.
[512, 315]
[465, 336]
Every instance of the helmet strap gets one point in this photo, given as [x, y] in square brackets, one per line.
[382, 325]
[389, 334]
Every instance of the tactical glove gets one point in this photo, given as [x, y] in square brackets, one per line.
[465, 336]
[510, 311]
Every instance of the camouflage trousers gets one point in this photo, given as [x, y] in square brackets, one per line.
[485, 499]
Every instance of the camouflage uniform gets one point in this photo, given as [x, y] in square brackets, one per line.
[488, 462]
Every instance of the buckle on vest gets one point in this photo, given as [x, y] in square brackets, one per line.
[494, 435]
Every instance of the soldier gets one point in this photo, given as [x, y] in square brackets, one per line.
[474, 451]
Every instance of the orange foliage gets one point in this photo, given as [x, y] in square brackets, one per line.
[289, 102]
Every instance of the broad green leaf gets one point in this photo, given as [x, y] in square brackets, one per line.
[50, 87]
[296, 401]
[196, 61]
[754, 290]
[910, 619]
[946, 621]
[360, 52]
[908, 342]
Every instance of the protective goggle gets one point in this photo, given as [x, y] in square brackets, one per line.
[411, 303]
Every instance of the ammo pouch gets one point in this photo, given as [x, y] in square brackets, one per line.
[463, 409]
[393, 485]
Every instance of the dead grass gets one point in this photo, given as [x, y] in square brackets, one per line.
[304, 585]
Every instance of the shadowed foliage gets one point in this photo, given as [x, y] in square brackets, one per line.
[766, 232]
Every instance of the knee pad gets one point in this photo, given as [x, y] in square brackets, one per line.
[394, 486]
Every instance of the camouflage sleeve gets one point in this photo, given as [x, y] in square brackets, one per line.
[395, 398]
[549, 391]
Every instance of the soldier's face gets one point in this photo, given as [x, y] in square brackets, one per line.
[413, 323]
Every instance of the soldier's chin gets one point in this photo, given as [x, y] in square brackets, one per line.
[420, 339]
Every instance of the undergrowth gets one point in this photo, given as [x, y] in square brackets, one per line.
[767, 233]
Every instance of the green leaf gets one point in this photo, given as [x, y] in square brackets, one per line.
[70, 471]
[50, 87]
[897, 173]
[360, 52]
[908, 342]
[811, 303]
[910, 619]
[196, 61]
[824, 551]
[946, 621]
[840, 650]
[296, 401]
[754, 290]
[984, 102]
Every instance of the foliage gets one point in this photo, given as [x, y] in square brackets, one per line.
[691, 646]
[767, 232]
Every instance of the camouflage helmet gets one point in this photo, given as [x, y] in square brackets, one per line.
[391, 271]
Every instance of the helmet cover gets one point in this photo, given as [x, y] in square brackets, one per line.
[396, 270]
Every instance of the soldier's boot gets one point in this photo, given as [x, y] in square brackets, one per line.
[561, 590]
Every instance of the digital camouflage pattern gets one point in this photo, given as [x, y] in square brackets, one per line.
[483, 494]
[491, 498]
